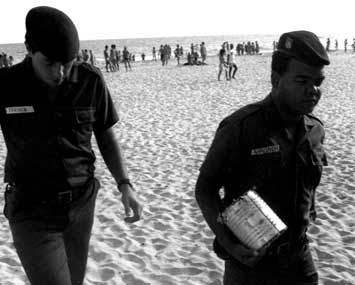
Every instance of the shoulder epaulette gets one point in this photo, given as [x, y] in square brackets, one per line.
[243, 113]
[84, 69]
[313, 117]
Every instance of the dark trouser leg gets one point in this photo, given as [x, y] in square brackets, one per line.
[274, 271]
[77, 237]
[42, 253]
[235, 274]
[302, 272]
[53, 247]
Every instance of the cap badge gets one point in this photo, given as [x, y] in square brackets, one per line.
[288, 43]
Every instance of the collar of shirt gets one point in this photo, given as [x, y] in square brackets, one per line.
[274, 120]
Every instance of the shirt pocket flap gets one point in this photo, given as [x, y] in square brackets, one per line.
[85, 116]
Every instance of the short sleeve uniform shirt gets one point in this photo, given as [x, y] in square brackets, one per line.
[49, 142]
[252, 148]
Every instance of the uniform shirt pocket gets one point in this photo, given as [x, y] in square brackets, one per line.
[84, 119]
[265, 166]
[76, 125]
[318, 156]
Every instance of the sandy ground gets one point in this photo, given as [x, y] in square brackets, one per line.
[168, 119]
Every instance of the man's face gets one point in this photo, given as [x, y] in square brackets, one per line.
[299, 87]
[52, 73]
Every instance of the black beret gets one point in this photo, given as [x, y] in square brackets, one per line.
[51, 32]
[304, 46]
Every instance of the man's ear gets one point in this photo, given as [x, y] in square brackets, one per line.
[28, 48]
[275, 79]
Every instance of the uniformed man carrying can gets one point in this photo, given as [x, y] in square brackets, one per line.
[49, 108]
[274, 146]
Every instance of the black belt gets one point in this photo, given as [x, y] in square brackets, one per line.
[42, 197]
[287, 249]
[280, 249]
[69, 196]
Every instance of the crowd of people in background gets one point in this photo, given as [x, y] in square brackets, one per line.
[6, 60]
[113, 57]
[196, 54]
[86, 56]
[164, 53]
[336, 45]
[248, 48]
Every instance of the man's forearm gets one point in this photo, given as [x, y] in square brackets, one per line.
[207, 196]
[112, 154]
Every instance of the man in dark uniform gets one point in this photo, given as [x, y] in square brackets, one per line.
[49, 108]
[275, 147]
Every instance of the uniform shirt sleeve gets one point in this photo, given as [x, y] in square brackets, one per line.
[106, 114]
[222, 153]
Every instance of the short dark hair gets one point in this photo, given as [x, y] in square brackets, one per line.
[280, 62]
[30, 44]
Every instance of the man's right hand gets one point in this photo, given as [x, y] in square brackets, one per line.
[245, 255]
[242, 253]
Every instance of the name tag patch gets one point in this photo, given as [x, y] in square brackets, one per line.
[19, 110]
[264, 150]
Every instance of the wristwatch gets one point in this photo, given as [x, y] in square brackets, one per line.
[124, 181]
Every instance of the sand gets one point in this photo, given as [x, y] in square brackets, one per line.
[168, 119]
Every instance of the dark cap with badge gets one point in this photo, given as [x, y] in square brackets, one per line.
[304, 46]
[53, 33]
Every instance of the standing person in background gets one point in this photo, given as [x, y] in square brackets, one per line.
[203, 52]
[154, 53]
[231, 63]
[11, 60]
[161, 54]
[336, 44]
[177, 54]
[113, 57]
[345, 45]
[85, 55]
[223, 65]
[47, 122]
[117, 58]
[181, 51]
[192, 49]
[92, 58]
[126, 58]
[107, 59]
[5, 60]
[166, 54]
[257, 47]
[327, 48]
[276, 147]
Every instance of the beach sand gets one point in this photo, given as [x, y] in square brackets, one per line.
[168, 117]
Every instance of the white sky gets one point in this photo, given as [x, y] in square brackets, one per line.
[118, 19]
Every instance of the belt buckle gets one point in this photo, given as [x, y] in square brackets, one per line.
[65, 197]
[283, 249]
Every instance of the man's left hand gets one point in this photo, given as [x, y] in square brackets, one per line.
[131, 203]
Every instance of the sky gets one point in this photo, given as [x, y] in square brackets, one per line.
[118, 19]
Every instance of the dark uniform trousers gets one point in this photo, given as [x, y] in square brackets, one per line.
[287, 269]
[52, 236]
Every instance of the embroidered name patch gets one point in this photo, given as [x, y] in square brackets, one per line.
[264, 150]
[19, 110]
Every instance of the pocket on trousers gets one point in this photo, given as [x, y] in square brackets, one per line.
[11, 204]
